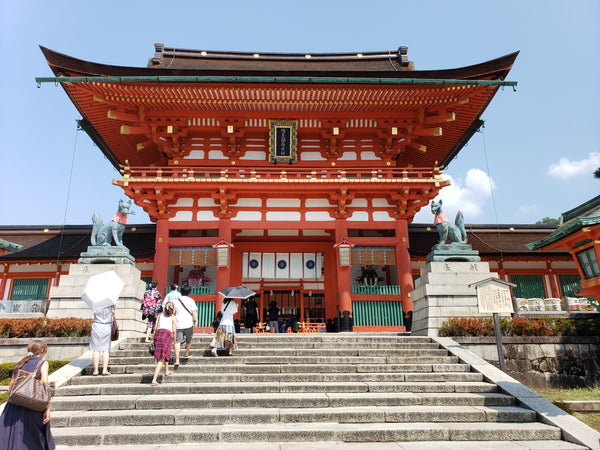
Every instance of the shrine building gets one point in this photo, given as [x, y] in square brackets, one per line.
[296, 175]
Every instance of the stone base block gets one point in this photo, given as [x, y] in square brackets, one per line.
[443, 292]
[66, 297]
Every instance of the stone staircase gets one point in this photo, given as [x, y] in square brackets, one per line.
[297, 391]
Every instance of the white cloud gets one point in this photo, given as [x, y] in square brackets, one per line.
[566, 168]
[468, 197]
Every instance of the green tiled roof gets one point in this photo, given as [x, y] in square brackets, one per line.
[9, 246]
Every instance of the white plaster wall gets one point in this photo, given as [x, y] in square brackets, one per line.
[254, 155]
[359, 216]
[182, 216]
[348, 156]
[311, 156]
[283, 203]
[248, 202]
[283, 215]
[316, 203]
[248, 215]
[314, 216]
[216, 154]
[184, 202]
[206, 202]
[382, 216]
[195, 154]
[205, 215]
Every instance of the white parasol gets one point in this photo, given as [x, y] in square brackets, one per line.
[103, 290]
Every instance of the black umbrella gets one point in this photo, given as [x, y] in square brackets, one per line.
[237, 292]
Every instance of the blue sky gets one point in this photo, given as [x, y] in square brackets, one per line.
[540, 145]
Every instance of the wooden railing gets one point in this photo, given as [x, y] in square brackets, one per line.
[361, 289]
[184, 174]
[373, 313]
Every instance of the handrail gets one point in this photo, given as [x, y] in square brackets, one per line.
[290, 174]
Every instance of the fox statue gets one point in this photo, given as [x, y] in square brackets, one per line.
[103, 234]
[446, 230]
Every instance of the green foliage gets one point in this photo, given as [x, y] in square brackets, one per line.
[44, 327]
[597, 173]
[520, 326]
[548, 221]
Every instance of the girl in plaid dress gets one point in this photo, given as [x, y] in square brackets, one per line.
[164, 336]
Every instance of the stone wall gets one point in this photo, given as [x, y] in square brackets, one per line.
[59, 349]
[543, 361]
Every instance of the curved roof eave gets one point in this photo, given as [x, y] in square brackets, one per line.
[495, 69]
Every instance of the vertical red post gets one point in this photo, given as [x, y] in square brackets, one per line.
[344, 280]
[161, 254]
[223, 273]
[403, 264]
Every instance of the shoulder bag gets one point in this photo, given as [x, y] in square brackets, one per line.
[28, 392]
[115, 330]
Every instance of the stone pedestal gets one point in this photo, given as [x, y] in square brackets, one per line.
[65, 299]
[443, 292]
[106, 254]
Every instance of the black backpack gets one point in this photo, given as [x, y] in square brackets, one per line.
[217, 321]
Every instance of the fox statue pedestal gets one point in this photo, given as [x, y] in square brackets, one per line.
[66, 297]
[443, 292]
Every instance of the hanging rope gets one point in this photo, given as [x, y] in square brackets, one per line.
[62, 231]
[492, 192]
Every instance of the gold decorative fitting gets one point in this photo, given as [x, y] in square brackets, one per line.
[203, 53]
[256, 55]
[230, 129]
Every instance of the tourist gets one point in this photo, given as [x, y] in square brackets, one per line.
[225, 334]
[289, 325]
[164, 336]
[273, 317]
[251, 314]
[151, 307]
[172, 296]
[187, 318]
[24, 428]
[100, 338]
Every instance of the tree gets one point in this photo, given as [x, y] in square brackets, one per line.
[597, 173]
[548, 221]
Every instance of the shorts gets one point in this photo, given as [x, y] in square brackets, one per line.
[186, 333]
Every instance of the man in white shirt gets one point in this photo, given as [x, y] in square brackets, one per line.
[187, 318]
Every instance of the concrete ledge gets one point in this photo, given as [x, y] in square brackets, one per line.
[573, 430]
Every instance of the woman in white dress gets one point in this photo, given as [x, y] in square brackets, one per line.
[225, 334]
[100, 337]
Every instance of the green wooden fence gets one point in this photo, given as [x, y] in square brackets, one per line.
[206, 313]
[29, 289]
[569, 284]
[528, 286]
[202, 290]
[376, 290]
[373, 313]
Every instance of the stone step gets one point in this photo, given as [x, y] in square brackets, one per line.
[266, 345]
[328, 445]
[180, 376]
[306, 432]
[174, 387]
[142, 350]
[273, 359]
[231, 367]
[367, 414]
[155, 400]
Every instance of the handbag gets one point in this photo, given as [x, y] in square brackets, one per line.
[28, 392]
[115, 330]
[151, 349]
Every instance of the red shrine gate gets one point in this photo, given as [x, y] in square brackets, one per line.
[295, 175]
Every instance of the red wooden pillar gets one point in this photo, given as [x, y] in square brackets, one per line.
[161, 255]
[344, 280]
[223, 273]
[554, 292]
[403, 266]
[3, 282]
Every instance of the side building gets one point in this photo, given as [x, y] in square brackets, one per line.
[28, 274]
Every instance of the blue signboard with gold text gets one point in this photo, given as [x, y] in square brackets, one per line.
[283, 141]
